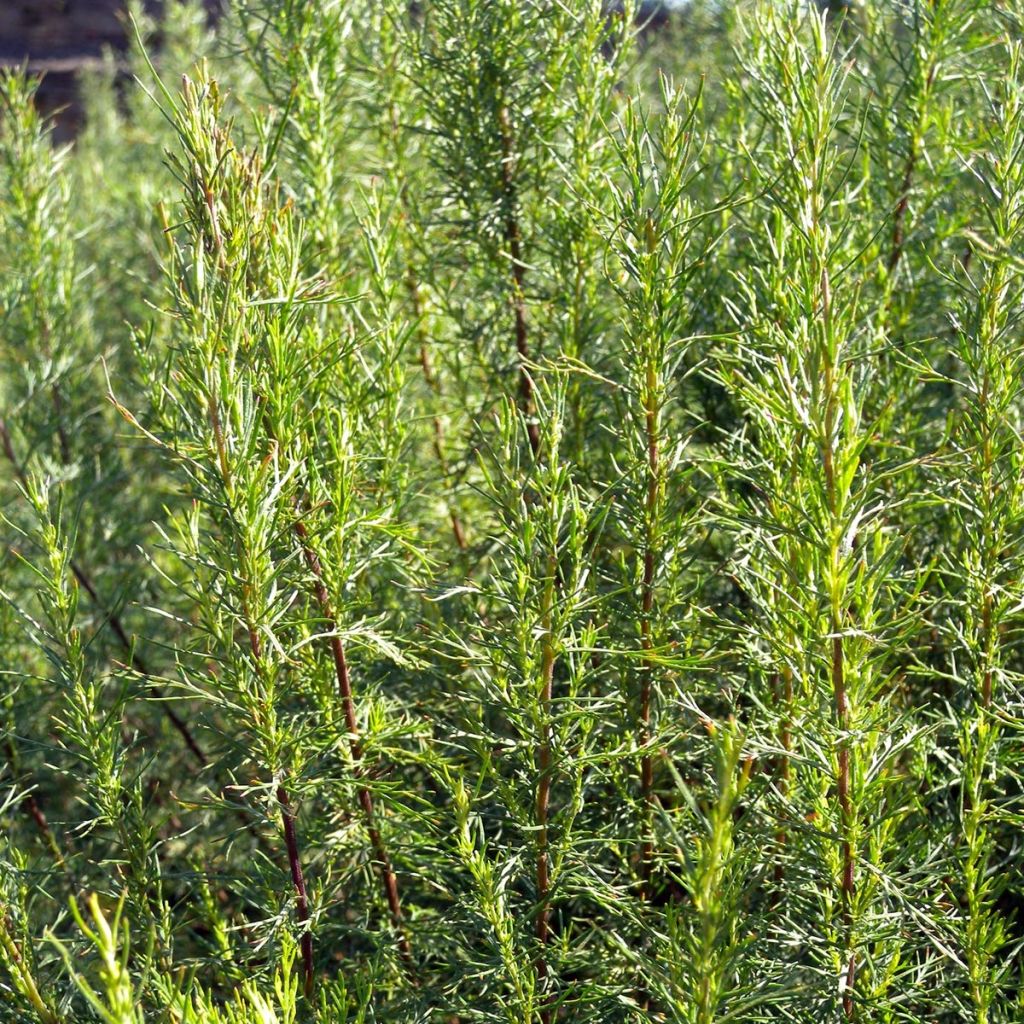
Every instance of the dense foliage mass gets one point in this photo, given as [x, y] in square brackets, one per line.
[512, 517]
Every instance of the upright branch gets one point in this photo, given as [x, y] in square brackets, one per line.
[544, 771]
[397, 102]
[653, 514]
[932, 25]
[900, 214]
[782, 694]
[658, 246]
[22, 975]
[835, 501]
[236, 245]
[517, 269]
[389, 879]
[113, 620]
[818, 566]
[703, 939]
[264, 671]
[989, 524]
[299, 882]
[437, 425]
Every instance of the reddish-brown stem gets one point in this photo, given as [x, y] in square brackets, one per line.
[412, 286]
[849, 1009]
[299, 882]
[388, 878]
[112, 619]
[137, 663]
[31, 807]
[34, 811]
[62, 435]
[290, 836]
[900, 215]
[513, 242]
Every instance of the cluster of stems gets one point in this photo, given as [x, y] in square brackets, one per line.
[512, 514]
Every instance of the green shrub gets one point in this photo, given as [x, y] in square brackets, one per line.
[511, 515]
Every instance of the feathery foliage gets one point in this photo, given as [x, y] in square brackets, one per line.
[514, 514]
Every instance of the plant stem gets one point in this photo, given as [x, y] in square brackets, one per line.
[783, 690]
[845, 808]
[838, 667]
[543, 763]
[26, 982]
[438, 427]
[651, 516]
[32, 808]
[906, 185]
[416, 298]
[299, 882]
[513, 242]
[388, 878]
[113, 620]
[287, 814]
[900, 216]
